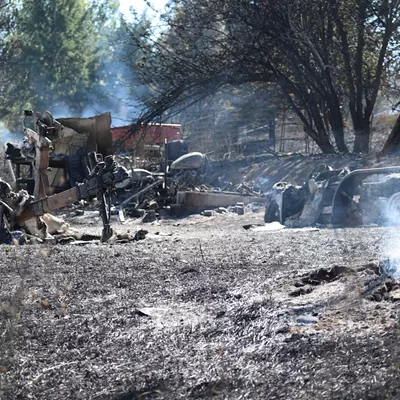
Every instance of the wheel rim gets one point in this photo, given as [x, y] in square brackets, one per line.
[393, 211]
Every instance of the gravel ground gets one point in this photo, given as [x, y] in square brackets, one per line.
[202, 308]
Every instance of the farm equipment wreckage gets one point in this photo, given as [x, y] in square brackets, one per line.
[329, 197]
[100, 183]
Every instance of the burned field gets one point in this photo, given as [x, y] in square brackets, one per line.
[203, 308]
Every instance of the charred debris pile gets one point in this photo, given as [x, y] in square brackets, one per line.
[337, 197]
[70, 164]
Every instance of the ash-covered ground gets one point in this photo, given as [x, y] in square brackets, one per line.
[202, 308]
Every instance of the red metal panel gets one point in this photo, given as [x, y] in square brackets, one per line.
[151, 134]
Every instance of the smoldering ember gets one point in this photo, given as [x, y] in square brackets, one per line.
[210, 205]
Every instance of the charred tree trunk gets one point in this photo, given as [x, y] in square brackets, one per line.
[338, 134]
[362, 133]
[361, 143]
[321, 140]
[318, 134]
[336, 123]
[325, 145]
[392, 144]
[271, 133]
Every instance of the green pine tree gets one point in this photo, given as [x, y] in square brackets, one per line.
[53, 56]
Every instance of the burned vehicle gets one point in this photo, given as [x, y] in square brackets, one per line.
[17, 208]
[146, 190]
[338, 197]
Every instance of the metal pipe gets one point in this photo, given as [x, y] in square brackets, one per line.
[146, 189]
[165, 162]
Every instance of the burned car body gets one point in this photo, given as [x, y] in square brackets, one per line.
[338, 197]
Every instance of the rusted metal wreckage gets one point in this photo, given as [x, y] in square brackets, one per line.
[99, 183]
[65, 167]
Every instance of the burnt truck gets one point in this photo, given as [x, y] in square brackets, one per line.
[338, 197]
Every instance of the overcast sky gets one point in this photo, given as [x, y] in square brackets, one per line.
[139, 5]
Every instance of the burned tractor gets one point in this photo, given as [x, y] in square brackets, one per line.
[338, 197]
[17, 208]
